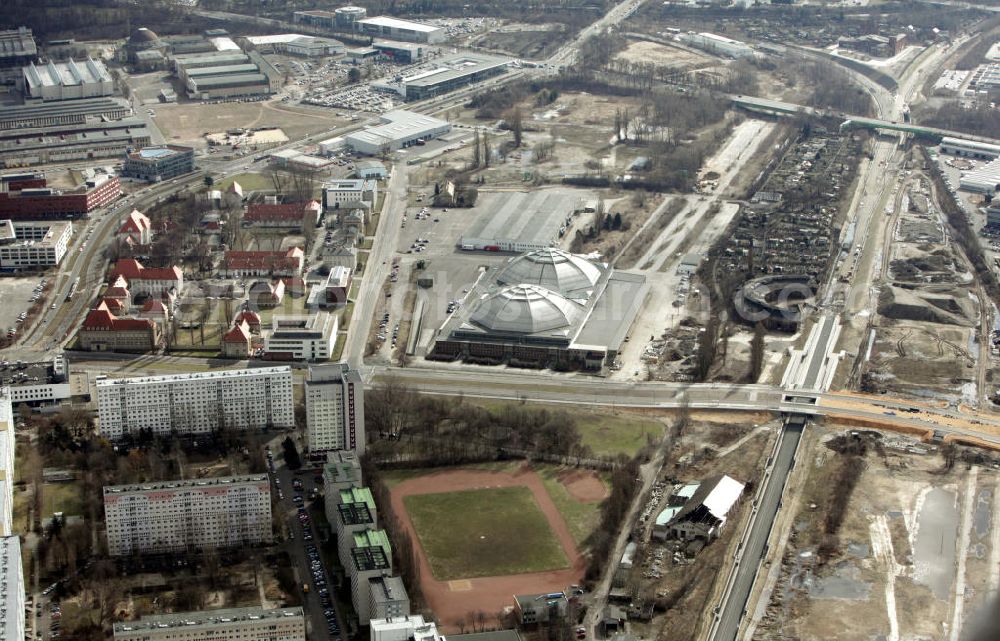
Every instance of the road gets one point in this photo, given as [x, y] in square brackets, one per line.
[378, 266]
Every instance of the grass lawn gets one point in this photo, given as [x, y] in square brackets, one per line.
[249, 182]
[492, 532]
[581, 518]
[61, 497]
[606, 433]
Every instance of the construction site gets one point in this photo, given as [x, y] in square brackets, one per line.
[887, 536]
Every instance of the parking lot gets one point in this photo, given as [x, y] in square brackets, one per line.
[524, 217]
[17, 294]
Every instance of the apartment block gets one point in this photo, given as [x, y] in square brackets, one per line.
[408, 628]
[182, 516]
[30, 245]
[370, 557]
[11, 588]
[387, 598]
[335, 409]
[196, 403]
[6, 462]
[353, 513]
[242, 624]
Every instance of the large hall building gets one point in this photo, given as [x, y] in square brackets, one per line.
[545, 308]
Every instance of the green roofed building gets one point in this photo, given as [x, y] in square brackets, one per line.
[370, 557]
[355, 513]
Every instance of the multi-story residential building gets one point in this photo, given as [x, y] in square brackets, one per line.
[11, 589]
[340, 193]
[370, 556]
[388, 598]
[301, 338]
[353, 511]
[342, 471]
[335, 409]
[183, 516]
[148, 281]
[197, 403]
[407, 628]
[6, 462]
[30, 245]
[158, 163]
[243, 624]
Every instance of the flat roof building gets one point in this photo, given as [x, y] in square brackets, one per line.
[245, 624]
[197, 403]
[301, 338]
[67, 80]
[17, 46]
[65, 142]
[396, 29]
[229, 74]
[296, 44]
[76, 112]
[335, 409]
[984, 180]
[158, 163]
[969, 148]
[447, 74]
[7, 447]
[370, 556]
[353, 512]
[396, 129]
[35, 245]
[184, 516]
[25, 200]
[12, 597]
[342, 471]
[407, 628]
[388, 598]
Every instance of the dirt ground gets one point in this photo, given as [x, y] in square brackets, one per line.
[187, 123]
[664, 55]
[916, 532]
[453, 601]
[584, 486]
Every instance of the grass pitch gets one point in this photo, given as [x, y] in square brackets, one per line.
[490, 532]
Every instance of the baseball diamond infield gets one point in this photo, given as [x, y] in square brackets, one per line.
[464, 588]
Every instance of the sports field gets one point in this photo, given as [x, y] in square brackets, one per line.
[500, 531]
[528, 547]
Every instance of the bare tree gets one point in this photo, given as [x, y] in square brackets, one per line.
[516, 125]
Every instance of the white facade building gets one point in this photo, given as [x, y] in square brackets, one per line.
[199, 403]
[242, 624]
[297, 44]
[181, 516]
[409, 628]
[720, 45]
[35, 244]
[335, 409]
[11, 588]
[7, 447]
[302, 338]
[340, 192]
[396, 29]
[397, 129]
[68, 80]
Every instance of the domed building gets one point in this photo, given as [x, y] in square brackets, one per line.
[571, 275]
[544, 308]
[526, 309]
[144, 50]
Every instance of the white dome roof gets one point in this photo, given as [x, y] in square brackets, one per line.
[555, 269]
[525, 309]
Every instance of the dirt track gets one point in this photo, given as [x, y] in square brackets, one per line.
[453, 601]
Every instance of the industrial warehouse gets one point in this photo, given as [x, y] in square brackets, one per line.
[397, 129]
[295, 44]
[226, 74]
[545, 308]
[101, 139]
